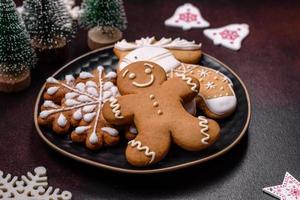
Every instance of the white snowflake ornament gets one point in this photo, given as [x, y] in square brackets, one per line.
[230, 36]
[187, 16]
[30, 187]
[288, 190]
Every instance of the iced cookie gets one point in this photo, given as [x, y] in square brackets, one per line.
[154, 105]
[214, 105]
[75, 106]
[184, 51]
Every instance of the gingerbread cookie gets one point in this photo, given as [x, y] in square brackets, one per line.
[215, 103]
[75, 106]
[184, 51]
[154, 104]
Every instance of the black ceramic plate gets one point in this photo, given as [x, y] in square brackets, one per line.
[232, 128]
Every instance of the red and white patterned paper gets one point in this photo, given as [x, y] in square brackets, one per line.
[230, 36]
[288, 190]
[187, 16]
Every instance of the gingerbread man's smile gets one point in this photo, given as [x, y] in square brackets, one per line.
[148, 71]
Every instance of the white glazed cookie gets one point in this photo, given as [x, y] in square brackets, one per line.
[75, 106]
[230, 36]
[187, 16]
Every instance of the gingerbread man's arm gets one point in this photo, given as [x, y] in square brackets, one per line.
[117, 111]
[184, 86]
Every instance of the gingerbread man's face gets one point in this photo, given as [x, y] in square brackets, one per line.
[140, 76]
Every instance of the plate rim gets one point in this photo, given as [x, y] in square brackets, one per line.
[139, 171]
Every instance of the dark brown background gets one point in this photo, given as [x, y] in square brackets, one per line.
[269, 64]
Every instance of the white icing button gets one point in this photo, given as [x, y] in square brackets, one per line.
[222, 88]
[62, 120]
[93, 91]
[85, 75]
[82, 129]
[148, 71]
[89, 117]
[93, 138]
[50, 104]
[110, 131]
[80, 87]
[77, 115]
[155, 104]
[111, 75]
[152, 96]
[159, 112]
[52, 90]
[69, 79]
[91, 84]
[51, 80]
[89, 108]
[107, 85]
[71, 102]
[84, 98]
[71, 95]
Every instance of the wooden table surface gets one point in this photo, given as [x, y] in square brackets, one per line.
[268, 63]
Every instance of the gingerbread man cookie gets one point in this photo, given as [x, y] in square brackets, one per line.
[217, 99]
[75, 106]
[154, 105]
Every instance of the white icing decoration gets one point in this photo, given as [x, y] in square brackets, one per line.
[93, 138]
[85, 75]
[107, 94]
[107, 85]
[49, 104]
[138, 145]
[168, 43]
[229, 36]
[71, 95]
[45, 113]
[115, 107]
[71, 102]
[203, 123]
[110, 131]
[114, 90]
[187, 16]
[188, 80]
[92, 91]
[210, 85]
[82, 129]
[80, 87]
[203, 73]
[221, 105]
[111, 75]
[89, 117]
[52, 90]
[160, 56]
[69, 79]
[89, 108]
[51, 80]
[133, 130]
[100, 68]
[91, 84]
[77, 115]
[62, 120]
[84, 98]
[142, 85]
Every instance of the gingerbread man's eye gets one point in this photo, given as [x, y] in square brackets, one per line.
[148, 71]
[132, 76]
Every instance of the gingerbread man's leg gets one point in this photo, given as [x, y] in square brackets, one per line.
[195, 133]
[150, 146]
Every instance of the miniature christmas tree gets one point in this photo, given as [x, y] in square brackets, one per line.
[105, 19]
[16, 54]
[48, 22]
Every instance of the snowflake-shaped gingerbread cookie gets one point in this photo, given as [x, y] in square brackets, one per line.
[75, 106]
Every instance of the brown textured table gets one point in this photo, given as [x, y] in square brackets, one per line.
[269, 64]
